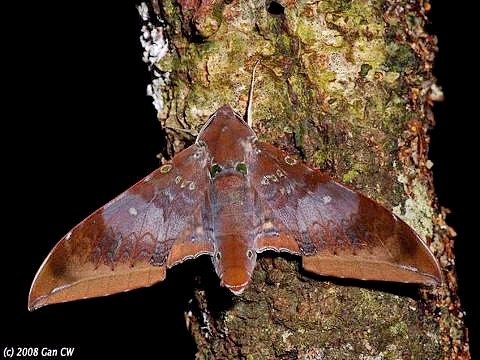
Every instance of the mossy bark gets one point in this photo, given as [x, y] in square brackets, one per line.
[346, 86]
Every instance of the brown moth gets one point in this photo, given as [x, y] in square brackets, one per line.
[230, 196]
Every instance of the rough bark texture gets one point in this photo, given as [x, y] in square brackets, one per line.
[346, 86]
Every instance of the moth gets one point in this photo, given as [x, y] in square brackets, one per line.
[230, 196]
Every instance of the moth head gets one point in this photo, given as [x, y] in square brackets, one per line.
[234, 262]
[227, 135]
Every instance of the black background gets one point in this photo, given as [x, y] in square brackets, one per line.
[83, 131]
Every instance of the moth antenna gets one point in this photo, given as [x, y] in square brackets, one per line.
[250, 97]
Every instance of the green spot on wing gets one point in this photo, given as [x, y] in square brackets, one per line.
[241, 167]
[215, 169]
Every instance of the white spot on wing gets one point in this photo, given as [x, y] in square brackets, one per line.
[132, 211]
[68, 235]
[409, 268]
[247, 146]
[267, 225]
[326, 199]
[290, 161]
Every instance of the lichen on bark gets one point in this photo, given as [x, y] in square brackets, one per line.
[345, 85]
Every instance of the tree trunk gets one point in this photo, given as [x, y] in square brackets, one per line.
[347, 86]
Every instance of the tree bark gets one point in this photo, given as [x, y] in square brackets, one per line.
[347, 86]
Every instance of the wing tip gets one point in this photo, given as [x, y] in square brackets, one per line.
[430, 268]
[36, 302]
[32, 306]
[427, 279]
[37, 299]
[33, 299]
[436, 278]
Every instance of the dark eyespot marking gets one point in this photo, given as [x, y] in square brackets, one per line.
[218, 256]
[214, 170]
[249, 254]
[241, 167]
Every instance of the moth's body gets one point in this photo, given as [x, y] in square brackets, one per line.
[232, 200]
[233, 204]
[230, 196]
